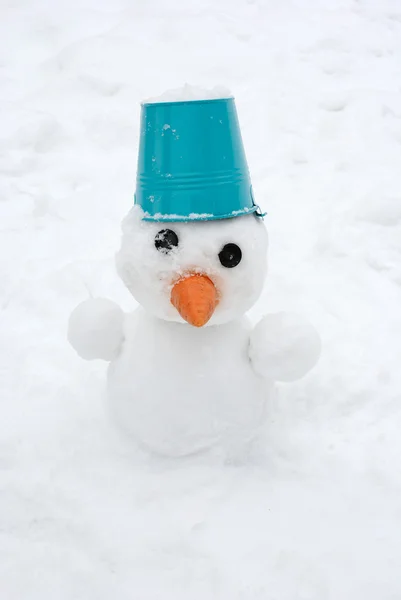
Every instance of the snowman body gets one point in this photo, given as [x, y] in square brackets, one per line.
[179, 390]
[187, 371]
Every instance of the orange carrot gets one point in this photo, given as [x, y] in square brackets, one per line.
[195, 298]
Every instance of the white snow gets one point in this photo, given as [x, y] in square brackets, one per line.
[189, 93]
[83, 515]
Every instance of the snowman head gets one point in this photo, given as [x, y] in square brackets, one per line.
[201, 272]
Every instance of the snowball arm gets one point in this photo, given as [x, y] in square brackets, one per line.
[284, 347]
[95, 329]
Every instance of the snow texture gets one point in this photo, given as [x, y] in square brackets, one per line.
[190, 93]
[83, 514]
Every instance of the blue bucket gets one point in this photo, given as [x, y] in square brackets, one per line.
[192, 164]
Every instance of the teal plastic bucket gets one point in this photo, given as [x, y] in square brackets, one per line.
[192, 164]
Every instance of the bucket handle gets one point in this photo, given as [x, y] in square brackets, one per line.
[258, 212]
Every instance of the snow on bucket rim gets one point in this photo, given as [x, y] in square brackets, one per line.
[189, 93]
[175, 218]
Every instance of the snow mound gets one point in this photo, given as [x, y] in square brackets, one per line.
[190, 93]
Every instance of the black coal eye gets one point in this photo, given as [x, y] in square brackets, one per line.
[166, 240]
[230, 256]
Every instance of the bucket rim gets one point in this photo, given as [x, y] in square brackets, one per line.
[159, 218]
[183, 102]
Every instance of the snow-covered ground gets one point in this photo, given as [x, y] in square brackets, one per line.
[82, 516]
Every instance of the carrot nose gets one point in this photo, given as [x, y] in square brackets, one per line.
[195, 298]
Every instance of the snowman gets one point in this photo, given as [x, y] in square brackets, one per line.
[188, 373]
